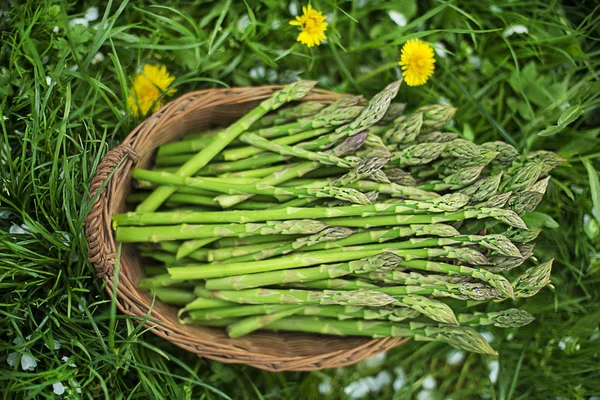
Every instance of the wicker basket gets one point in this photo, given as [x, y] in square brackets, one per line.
[110, 186]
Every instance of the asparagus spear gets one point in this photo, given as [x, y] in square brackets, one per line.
[510, 318]
[331, 311]
[288, 114]
[460, 291]
[326, 235]
[533, 280]
[373, 112]
[382, 261]
[507, 216]
[233, 252]
[256, 322]
[295, 151]
[291, 92]
[447, 203]
[184, 232]
[348, 194]
[374, 236]
[461, 337]
[294, 296]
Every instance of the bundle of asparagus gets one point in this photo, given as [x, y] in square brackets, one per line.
[342, 219]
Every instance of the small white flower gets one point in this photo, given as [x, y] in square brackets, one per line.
[275, 24]
[66, 238]
[515, 29]
[569, 341]
[257, 72]
[55, 345]
[74, 67]
[55, 29]
[595, 335]
[424, 395]
[28, 363]
[271, 75]
[488, 336]
[45, 59]
[79, 21]
[48, 80]
[400, 380]
[84, 302]
[429, 382]
[564, 106]
[356, 390]
[374, 361]
[12, 358]
[325, 387]
[455, 357]
[381, 379]
[494, 367]
[293, 7]
[58, 388]
[361, 3]
[243, 23]
[444, 100]
[510, 336]
[98, 58]
[18, 230]
[398, 18]
[495, 9]
[475, 61]
[91, 14]
[440, 49]
[65, 359]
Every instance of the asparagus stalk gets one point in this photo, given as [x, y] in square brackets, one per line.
[330, 311]
[533, 280]
[382, 261]
[447, 203]
[294, 296]
[296, 170]
[461, 337]
[510, 318]
[348, 194]
[249, 151]
[507, 216]
[373, 112]
[256, 322]
[296, 151]
[172, 295]
[185, 232]
[326, 235]
[375, 236]
[460, 291]
[291, 92]
[234, 252]
[284, 115]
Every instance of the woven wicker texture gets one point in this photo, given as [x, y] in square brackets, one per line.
[110, 186]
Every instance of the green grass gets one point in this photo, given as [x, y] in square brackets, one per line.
[61, 111]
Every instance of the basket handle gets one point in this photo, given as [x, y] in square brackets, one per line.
[99, 254]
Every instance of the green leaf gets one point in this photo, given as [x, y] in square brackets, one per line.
[570, 115]
[594, 187]
[567, 116]
[538, 219]
[591, 227]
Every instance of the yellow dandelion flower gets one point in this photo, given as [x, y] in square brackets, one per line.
[417, 62]
[313, 26]
[148, 88]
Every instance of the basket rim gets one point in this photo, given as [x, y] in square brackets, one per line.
[117, 163]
